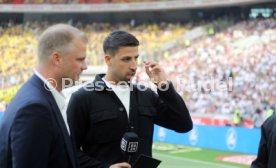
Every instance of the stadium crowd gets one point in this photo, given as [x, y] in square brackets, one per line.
[233, 71]
[229, 72]
[17, 43]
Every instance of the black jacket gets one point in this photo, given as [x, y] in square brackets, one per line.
[99, 120]
[267, 147]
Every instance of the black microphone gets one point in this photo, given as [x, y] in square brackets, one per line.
[129, 144]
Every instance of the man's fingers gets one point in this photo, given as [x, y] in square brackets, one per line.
[125, 165]
[150, 64]
[147, 67]
[156, 69]
[121, 165]
[148, 71]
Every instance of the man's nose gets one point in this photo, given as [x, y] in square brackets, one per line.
[84, 66]
[133, 64]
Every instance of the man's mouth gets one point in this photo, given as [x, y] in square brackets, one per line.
[131, 74]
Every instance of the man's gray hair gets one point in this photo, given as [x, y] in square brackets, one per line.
[57, 38]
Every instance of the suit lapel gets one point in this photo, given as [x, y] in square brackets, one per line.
[67, 139]
[68, 143]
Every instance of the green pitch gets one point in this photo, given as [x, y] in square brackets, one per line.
[179, 156]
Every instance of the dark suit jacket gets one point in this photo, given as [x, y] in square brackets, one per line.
[267, 147]
[33, 132]
[99, 120]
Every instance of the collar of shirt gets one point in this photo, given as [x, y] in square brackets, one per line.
[122, 92]
[58, 96]
[117, 87]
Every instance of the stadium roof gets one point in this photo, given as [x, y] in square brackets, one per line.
[125, 7]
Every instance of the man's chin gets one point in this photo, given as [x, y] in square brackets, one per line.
[129, 78]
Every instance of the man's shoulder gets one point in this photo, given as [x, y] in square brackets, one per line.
[84, 90]
[30, 92]
[144, 91]
[27, 102]
[142, 88]
[270, 123]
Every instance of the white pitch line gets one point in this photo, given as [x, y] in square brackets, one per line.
[194, 160]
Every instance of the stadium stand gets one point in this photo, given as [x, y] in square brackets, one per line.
[212, 46]
[247, 46]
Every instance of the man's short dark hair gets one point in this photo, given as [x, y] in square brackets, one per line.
[117, 39]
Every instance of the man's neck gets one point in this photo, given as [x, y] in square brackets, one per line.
[108, 78]
[51, 78]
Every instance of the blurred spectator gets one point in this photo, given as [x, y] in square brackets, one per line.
[237, 119]
[257, 118]
[270, 111]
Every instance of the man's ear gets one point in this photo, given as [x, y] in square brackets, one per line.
[56, 58]
[107, 59]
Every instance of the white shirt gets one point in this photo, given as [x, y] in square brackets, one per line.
[122, 92]
[59, 98]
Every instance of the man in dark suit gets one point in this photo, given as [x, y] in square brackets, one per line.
[121, 106]
[34, 130]
[267, 145]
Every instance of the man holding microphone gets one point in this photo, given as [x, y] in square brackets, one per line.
[101, 112]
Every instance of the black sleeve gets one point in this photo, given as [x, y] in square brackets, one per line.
[78, 120]
[31, 137]
[262, 158]
[172, 110]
